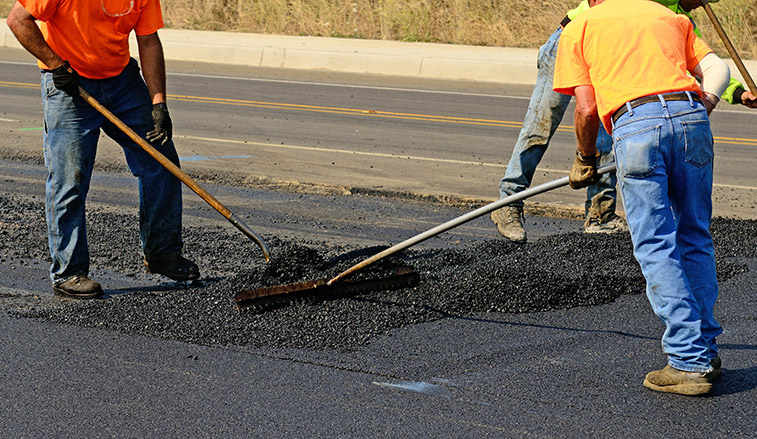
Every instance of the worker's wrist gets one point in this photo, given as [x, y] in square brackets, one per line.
[711, 98]
[738, 92]
[587, 157]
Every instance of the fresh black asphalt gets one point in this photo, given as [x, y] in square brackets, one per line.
[549, 339]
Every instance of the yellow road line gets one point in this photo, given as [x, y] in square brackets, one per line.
[18, 84]
[407, 116]
[373, 113]
[353, 111]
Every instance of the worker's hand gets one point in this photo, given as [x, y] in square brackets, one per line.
[163, 127]
[584, 171]
[748, 99]
[66, 79]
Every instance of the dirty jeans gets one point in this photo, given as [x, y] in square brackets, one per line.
[545, 112]
[664, 153]
[71, 131]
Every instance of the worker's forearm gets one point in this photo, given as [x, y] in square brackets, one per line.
[153, 66]
[587, 127]
[24, 27]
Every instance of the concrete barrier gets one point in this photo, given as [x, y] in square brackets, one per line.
[419, 60]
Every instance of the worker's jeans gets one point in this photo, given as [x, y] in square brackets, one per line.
[71, 131]
[664, 153]
[545, 112]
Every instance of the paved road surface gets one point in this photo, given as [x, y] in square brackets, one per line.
[431, 138]
[569, 373]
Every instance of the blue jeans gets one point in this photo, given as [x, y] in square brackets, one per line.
[545, 112]
[664, 153]
[71, 130]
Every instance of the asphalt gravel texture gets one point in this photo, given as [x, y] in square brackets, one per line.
[556, 272]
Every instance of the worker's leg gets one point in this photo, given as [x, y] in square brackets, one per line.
[545, 111]
[691, 195]
[601, 198]
[644, 146]
[71, 129]
[160, 203]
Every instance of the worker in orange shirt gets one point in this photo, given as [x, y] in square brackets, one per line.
[87, 44]
[545, 112]
[663, 148]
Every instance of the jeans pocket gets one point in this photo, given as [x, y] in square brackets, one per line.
[48, 86]
[637, 153]
[699, 142]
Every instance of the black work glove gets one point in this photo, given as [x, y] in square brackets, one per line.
[584, 171]
[163, 127]
[66, 79]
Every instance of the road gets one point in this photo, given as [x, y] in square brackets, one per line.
[496, 341]
[436, 139]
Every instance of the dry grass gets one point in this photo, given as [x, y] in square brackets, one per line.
[476, 22]
[508, 23]
[739, 19]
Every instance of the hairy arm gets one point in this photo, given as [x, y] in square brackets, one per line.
[24, 27]
[586, 120]
[153, 66]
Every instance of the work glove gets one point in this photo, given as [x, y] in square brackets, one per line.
[66, 79]
[163, 127]
[584, 171]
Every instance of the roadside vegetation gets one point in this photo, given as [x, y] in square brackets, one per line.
[508, 23]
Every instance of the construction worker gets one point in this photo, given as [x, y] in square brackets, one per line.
[663, 148]
[87, 44]
[545, 112]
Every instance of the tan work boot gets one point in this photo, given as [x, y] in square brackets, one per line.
[79, 287]
[509, 221]
[672, 380]
[614, 224]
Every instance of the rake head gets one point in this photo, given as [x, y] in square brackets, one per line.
[265, 298]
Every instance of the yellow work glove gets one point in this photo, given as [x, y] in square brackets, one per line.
[584, 171]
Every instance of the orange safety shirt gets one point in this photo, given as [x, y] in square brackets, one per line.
[93, 35]
[627, 49]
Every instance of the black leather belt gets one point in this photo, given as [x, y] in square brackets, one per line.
[679, 96]
[565, 22]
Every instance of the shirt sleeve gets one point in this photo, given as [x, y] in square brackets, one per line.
[571, 70]
[150, 18]
[42, 10]
[696, 48]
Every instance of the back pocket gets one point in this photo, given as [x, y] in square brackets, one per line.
[637, 153]
[699, 142]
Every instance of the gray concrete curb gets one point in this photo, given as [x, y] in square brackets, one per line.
[417, 60]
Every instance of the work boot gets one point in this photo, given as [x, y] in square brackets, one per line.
[716, 364]
[174, 266]
[509, 221]
[614, 224]
[672, 380]
[79, 287]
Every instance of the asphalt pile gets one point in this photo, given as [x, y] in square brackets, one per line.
[495, 276]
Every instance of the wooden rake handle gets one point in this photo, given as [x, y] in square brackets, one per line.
[177, 172]
[729, 46]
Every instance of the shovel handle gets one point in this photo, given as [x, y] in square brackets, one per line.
[729, 47]
[177, 172]
[544, 187]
